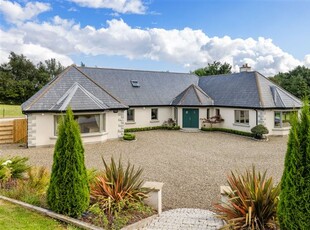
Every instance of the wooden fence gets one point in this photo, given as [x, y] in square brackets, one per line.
[13, 131]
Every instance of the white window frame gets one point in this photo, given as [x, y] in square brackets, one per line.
[242, 117]
[154, 119]
[133, 115]
[102, 122]
[281, 126]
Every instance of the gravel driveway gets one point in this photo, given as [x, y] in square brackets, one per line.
[192, 165]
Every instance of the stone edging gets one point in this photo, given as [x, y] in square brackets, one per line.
[140, 224]
[69, 220]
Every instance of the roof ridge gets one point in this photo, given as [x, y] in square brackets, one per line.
[118, 100]
[139, 70]
[280, 97]
[51, 83]
[68, 95]
[282, 89]
[185, 94]
[261, 103]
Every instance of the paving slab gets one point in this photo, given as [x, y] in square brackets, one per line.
[186, 218]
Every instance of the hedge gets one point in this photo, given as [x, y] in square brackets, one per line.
[242, 133]
[129, 136]
[152, 128]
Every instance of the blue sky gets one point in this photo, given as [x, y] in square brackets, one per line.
[172, 35]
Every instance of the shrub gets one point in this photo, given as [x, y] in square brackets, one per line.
[237, 132]
[252, 202]
[38, 179]
[116, 187]
[164, 127]
[129, 137]
[68, 192]
[259, 131]
[294, 205]
[13, 168]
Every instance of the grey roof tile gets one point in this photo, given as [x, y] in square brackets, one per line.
[192, 96]
[246, 89]
[156, 88]
[82, 99]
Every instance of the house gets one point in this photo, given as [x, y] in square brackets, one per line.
[106, 101]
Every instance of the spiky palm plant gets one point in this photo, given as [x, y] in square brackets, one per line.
[116, 186]
[252, 202]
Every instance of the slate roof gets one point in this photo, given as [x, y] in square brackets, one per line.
[72, 88]
[97, 89]
[248, 90]
[156, 88]
[192, 96]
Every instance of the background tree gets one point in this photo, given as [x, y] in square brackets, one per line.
[296, 81]
[20, 78]
[216, 68]
[68, 192]
[294, 204]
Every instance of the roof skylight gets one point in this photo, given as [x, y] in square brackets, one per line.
[135, 83]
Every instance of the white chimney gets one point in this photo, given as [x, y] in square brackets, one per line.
[245, 68]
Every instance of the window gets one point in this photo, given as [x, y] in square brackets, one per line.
[154, 114]
[242, 117]
[217, 112]
[282, 118]
[208, 113]
[130, 115]
[88, 123]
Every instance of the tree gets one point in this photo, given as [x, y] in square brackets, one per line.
[68, 192]
[294, 204]
[20, 78]
[296, 81]
[216, 68]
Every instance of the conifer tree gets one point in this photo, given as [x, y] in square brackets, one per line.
[294, 204]
[68, 192]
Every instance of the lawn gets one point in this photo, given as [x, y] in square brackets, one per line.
[15, 217]
[10, 111]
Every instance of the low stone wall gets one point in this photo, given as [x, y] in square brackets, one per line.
[155, 197]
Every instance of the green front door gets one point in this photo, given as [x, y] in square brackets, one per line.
[190, 118]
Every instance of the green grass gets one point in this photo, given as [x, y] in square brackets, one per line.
[15, 217]
[10, 111]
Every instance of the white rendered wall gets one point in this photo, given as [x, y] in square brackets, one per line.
[41, 129]
[143, 117]
[228, 114]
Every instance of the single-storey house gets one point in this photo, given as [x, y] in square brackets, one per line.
[107, 101]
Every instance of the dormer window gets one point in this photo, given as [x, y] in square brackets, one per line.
[135, 83]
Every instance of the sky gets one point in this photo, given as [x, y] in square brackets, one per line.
[164, 35]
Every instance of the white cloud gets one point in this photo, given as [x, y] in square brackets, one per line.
[15, 13]
[120, 6]
[14, 41]
[307, 60]
[61, 38]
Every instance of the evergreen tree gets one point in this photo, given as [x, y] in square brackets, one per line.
[294, 204]
[68, 192]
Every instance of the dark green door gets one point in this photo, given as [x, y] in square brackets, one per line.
[190, 118]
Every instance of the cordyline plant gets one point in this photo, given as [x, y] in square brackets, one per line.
[116, 187]
[252, 202]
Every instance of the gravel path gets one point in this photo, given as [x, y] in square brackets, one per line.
[192, 165]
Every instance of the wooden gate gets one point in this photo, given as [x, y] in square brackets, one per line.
[13, 131]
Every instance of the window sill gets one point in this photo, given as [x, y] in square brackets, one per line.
[240, 124]
[130, 122]
[85, 135]
[281, 129]
[154, 121]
